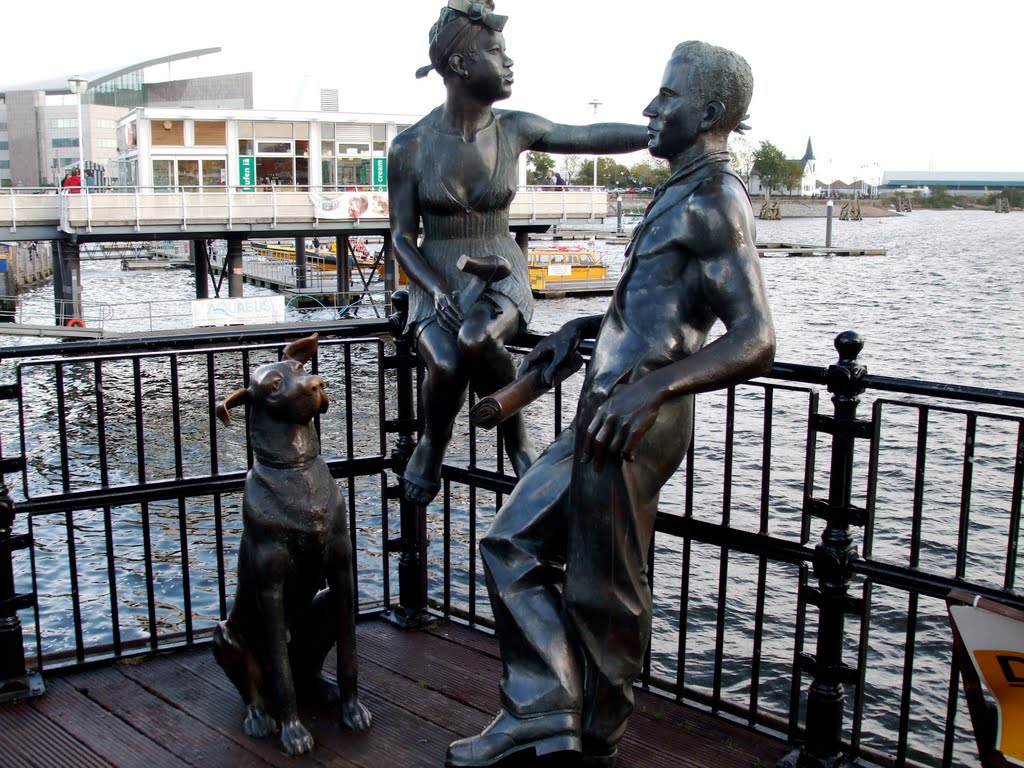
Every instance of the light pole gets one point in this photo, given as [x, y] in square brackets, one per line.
[595, 104]
[78, 86]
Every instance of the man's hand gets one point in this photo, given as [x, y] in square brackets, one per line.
[553, 353]
[619, 423]
[449, 316]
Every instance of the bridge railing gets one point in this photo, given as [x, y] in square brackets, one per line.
[801, 555]
[188, 208]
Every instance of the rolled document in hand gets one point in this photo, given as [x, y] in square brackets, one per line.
[493, 410]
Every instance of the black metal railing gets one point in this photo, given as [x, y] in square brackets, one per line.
[796, 587]
[799, 566]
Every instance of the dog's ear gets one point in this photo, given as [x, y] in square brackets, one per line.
[302, 349]
[235, 398]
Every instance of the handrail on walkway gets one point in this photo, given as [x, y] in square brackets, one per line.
[124, 210]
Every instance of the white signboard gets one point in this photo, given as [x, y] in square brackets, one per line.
[560, 270]
[350, 205]
[253, 310]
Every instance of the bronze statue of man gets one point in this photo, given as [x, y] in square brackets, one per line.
[456, 170]
[566, 556]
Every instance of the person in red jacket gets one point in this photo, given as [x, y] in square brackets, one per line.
[73, 181]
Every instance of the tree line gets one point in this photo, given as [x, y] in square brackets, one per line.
[774, 169]
[542, 167]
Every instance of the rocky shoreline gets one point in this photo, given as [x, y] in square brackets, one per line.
[789, 208]
[796, 209]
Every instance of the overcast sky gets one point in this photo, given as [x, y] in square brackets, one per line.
[905, 85]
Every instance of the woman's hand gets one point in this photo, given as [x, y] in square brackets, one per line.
[446, 307]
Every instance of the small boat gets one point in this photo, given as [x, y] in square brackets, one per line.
[555, 264]
[362, 260]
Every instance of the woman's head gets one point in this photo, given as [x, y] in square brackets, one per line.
[465, 30]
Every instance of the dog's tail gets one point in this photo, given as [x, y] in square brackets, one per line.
[235, 398]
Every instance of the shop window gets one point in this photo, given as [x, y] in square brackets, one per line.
[214, 174]
[329, 173]
[162, 171]
[275, 171]
[188, 173]
[246, 147]
[210, 133]
[273, 147]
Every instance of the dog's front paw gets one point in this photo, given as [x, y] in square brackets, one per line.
[295, 739]
[258, 723]
[355, 716]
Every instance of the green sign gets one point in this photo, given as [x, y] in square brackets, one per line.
[247, 173]
[380, 171]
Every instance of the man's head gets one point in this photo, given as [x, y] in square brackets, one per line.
[705, 90]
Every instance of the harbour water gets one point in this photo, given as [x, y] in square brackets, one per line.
[942, 305]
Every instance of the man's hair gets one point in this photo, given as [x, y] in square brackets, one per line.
[718, 73]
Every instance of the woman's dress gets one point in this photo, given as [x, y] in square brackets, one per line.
[479, 227]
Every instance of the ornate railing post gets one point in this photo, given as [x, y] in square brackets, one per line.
[15, 681]
[833, 566]
[411, 545]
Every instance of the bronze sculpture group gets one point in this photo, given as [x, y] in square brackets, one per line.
[566, 556]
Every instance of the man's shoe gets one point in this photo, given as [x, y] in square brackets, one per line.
[508, 734]
[604, 759]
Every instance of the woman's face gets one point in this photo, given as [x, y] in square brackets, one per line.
[489, 67]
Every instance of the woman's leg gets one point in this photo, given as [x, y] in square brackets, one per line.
[442, 396]
[488, 325]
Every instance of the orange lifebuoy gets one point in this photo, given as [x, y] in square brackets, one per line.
[74, 322]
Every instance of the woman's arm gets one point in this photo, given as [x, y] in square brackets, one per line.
[540, 134]
[405, 222]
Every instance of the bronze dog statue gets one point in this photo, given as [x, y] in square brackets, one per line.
[294, 536]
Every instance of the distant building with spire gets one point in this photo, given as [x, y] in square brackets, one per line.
[808, 182]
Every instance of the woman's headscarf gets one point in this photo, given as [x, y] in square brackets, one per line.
[458, 23]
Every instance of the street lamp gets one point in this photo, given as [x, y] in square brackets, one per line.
[78, 86]
[595, 104]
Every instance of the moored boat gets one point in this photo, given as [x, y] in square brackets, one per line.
[557, 264]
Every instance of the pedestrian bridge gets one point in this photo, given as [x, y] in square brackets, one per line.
[138, 212]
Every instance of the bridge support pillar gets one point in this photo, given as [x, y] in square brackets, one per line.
[390, 265]
[343, 252]
[523, 241]
[67, 282]
[201, 267]
[236, 269]
[300, 262]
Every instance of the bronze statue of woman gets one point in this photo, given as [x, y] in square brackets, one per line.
[457, 171]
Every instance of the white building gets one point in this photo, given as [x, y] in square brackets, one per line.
[178, 147]
[808, 182]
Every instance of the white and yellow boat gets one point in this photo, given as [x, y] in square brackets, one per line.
[556, 264]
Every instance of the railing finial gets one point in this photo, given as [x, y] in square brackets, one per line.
[849, 344]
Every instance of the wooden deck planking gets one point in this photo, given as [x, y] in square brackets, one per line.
[424, 689]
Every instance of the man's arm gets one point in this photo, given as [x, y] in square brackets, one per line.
[718, 227]
[404, 213]
[540, 134]
[558, 349]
